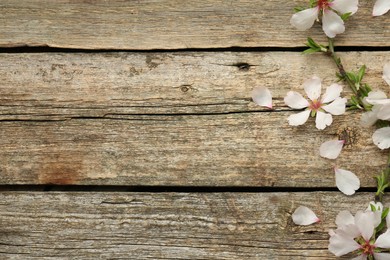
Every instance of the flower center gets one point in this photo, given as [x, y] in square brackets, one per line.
[315, 105]
[323, 4]
[367, 248]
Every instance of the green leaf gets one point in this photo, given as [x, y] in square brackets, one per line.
[373, 209]
[361, 73]
[385, 212]
[311, 50]
[298, 9]
[345, 16]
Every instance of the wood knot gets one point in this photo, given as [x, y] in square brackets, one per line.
[350, 135]
[242, 66]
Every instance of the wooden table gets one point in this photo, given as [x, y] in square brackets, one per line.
[128, 130]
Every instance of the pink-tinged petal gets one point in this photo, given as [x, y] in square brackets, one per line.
[377, 97]
[341, 244]
[299, 119]
[332, 24]
[381, 7]
[386, 70]
[383, 241]
[344, 218]
[345, 6]
[332, 92]
[323, 120]
[304, 216]
[262, 97]
[331, 149]
[305, 19]
[381, 137]
[369, 118]
[351, 230]
[381, 256]
[360, 257]
[313, 88]
[295, 100]
[384, 111]
[365, 222]
[337, 107]
[346, 181]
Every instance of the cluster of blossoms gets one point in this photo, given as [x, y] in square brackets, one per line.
[362, 234]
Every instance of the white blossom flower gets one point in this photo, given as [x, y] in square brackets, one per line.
[304, 216]
[262, 97]
[332, 24]
[356, 233]
[330, 102]
[331, 149]
[346, 181]
[381, 7]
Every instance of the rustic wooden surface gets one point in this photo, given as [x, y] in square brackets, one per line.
[170, 119]
[171, 24]
[149, 93]
[167, 225]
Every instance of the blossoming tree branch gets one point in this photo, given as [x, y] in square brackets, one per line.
[367, 234]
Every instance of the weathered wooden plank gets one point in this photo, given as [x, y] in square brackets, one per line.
[83, 119]
[171, 24]
[168, 225]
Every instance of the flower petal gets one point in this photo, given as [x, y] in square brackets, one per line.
[305, 19]
[369, 118]
[337, 107]
[383, 241]
[332, 24]
[299, 119]
[313, 88]
[344, 218]
[377, 97]
[365, 222]
[332, 92]
[381, 7]
[360, 257]
[386, 69]
[323, 120]
[346, 181]
[304, 216]
[295, 100]
[331, 149]
[381, 137]
[341, 244]
[343, 6]
[384, 112]
[262, 97]
[377, 205]
[381, 256]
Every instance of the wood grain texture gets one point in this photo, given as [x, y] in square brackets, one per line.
[172, 24]
[168, 225]
[181, 119]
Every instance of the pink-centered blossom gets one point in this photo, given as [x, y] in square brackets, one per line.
[357, 234]
[381, 7]
[332, 24]
[380, 110]
[317, 106]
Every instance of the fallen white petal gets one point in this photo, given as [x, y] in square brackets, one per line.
[381, 7]
[305, 19]
[344, 218]
[384, 111]
[304, 216]
[341, 244]
[295, 100]
[332, 24]
[386, 69]
[323, 120]
[313, 88]
[369, 118]
[262, 97]
[331, 149]
[381, 137]
[381, 256]
[345, 6]
[383, 241]
[360, 257]
[346, 181]
[377, 97]
[299, 119]
[337, 107]
[332, 92]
